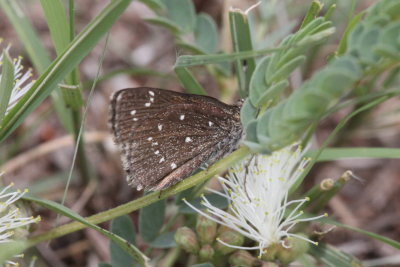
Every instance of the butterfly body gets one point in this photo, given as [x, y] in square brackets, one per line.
[164, 136]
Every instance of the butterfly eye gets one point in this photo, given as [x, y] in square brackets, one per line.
[164, 136]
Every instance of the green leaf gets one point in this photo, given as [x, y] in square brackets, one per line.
[151, 219]
[182, 13]
[257, 82]
[64, 64]
[155, 5]
[241, 41]
[27, 34]
[60, 34]
[164, 22]
[272, 93]
[389, 40]
[192, 48]
[215, 200]
[122, 243]
[329, 12]
[312, 12]
[6, 83]
[331, 256]
[189, 61]
[392, 9]
[206, 33]
[305, 31]
[123, 227]
[247, 112]
[165, 240]
[342, 47]
[57, 22]
[356, 153]
[284, 71]
[37, 54]
[188, 81]
[380, 238]
[251, 138]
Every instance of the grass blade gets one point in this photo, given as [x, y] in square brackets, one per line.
[356, 152]
[64, 64]
[122, 243]
[241, 41]
[57, 22]
[36, 52]
[188, 81]
[6, 83]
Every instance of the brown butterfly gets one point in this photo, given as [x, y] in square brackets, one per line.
[165, 136]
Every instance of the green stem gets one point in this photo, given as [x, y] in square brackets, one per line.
[81, 158]
[73, 79]
[171, 257]
[71, 11]
[145, 200]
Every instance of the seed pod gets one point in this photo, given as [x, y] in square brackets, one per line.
[270, 252]
[206, 230]
[186, 238]
[242, 258]
[229, 237]
[206, 253]
[295, 248]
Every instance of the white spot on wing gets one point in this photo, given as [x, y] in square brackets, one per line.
[135, 119]
[173, 165]
[150, 138]
[182, 117]
[147, 104]
[160, 126]
[210, 123]
[188, 140]
[157, 152]
[133, 112]
[151, 99]
[151, 93]
[154, 144]
[162, 160]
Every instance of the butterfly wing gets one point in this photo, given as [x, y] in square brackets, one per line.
[164, 136]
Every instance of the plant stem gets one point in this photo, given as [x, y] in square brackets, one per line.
[171, 257]
[81, 156]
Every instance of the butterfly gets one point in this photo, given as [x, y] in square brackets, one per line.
[165, 136]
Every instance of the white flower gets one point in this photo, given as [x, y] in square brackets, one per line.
[258, 194]
[21, 83]
[11, 218]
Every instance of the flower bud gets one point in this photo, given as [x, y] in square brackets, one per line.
[186, 238]
[223, 228]
[206, 253]
[229, 237]
[295, 248]
[270, 252]
[206, 230]
[241, 258]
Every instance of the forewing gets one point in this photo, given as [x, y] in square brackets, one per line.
[165, 134]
